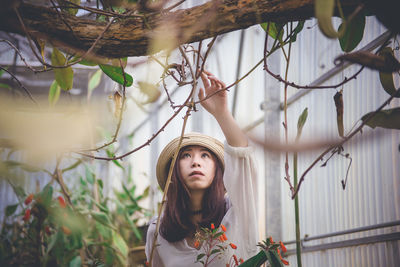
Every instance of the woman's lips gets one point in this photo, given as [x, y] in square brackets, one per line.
[196, 173]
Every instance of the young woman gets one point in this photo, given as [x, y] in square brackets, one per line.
[205, 169]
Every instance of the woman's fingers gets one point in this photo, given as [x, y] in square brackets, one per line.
[204, 78]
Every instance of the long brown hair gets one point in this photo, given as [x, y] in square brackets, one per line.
[176, 223]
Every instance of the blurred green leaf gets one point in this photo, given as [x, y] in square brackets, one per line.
[324, 12]
[256, 260]
[10, 210]
[89, 175]
[64, 76]
[386, 78]
[75, 262]
[94, 81]
[353, 33]
[389, 119]
[117, 75]
[24, 166]
[54, 93]
[100, 183]
[3, 85]
[102, 218]
[120, 243]
[301, 121]
[276, 262]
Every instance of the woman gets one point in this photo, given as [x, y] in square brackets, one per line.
[204, 169]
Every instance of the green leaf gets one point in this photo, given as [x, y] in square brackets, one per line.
[3, 85]
[100, 183]
[120, 243]
[353, 33]
[94, 81]
[301, 121]
[386, 78]
[10, 210]
[276, 262]
[297, 30]
[117, 75]
[274, 29]
[64, 76]
[54, 93]
[102, 218]
[324, 12]
[46, 195]
[24, 166]
[75, 262]
[19, 191]
[256, 260]
[389, 119]
[89, 175]
[200, 256]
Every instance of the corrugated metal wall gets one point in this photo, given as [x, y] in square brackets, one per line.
[372, 193]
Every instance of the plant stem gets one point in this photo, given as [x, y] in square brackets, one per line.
[296, 212]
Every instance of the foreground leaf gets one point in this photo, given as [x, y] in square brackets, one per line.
[150, 90]
[389, 119]
[64, 76]
[256, 260]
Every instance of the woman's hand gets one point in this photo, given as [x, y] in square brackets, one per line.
[218, 103]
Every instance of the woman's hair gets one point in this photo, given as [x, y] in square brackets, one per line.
[176, 223]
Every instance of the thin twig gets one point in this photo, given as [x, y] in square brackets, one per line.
[343, 141]
[20, 84]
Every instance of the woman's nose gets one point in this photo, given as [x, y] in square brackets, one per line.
[195, 161]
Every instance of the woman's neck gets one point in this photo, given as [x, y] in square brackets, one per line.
[196, 200]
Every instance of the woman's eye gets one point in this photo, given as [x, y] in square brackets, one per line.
[205, 155]
[185, 155]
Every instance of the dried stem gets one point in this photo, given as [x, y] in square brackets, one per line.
[343, 141]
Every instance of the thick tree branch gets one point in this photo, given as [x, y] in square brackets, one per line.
[131, 36]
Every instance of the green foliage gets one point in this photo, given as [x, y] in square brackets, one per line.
[353, 33]
[99, 227]
[386, 78]
[54, 93]
[64, 76]
[117, 74]
[324, 12]
[389, 119]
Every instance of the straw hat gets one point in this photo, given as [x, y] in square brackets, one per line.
[189, 139]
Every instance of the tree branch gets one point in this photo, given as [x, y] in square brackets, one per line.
[132, 36]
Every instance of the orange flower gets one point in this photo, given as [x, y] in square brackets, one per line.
[233, 245]
[47, 230]
[285, 262]
[212, 226]
[27, 215]
[61, 201]
[283, 247]
[196, 244]
[223, 227]
[241, 260]
[224, 236]
[28, 199]
[221, 238]
[270, 240]
[147, 263]
[66, 230]
[236, 260]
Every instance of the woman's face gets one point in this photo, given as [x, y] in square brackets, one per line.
[197, 167]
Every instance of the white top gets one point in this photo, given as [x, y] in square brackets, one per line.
[240, 179]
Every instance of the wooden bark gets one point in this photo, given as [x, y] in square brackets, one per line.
[131, 37]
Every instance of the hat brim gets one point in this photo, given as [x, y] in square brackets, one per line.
[189, 139]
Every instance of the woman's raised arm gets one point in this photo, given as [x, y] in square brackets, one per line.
[217, 105]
